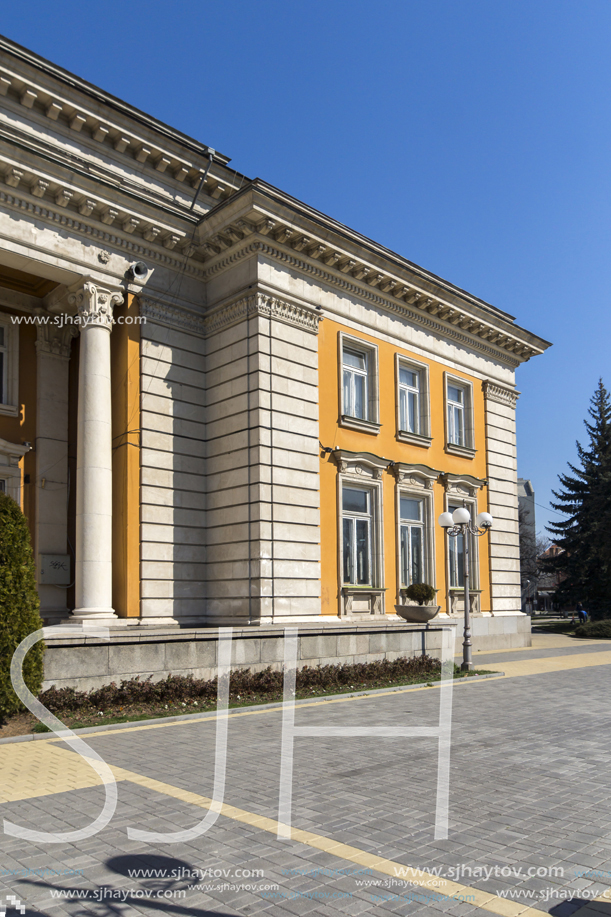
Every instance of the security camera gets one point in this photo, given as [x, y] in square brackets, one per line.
[138, 271]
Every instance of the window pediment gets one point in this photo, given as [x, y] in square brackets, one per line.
[361, 464]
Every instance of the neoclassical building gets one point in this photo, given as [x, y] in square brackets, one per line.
[221, 406]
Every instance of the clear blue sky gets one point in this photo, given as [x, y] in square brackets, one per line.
[471, 136]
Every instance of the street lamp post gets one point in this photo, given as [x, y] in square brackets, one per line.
[455, 524]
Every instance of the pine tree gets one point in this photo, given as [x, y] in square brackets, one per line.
[585, 533]
[19, 604]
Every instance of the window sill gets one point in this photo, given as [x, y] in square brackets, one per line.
[463, 451]
[415, 439]
[357, 423]
[362, 600]
[12, 410]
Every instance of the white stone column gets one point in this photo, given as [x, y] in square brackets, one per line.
[94, 454]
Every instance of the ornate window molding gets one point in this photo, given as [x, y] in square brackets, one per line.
[416, 481]
[459, 490]
[363, 471]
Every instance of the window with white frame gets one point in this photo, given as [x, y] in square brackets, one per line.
[9, 366]
[456, 415]
[413, 414]
[3, 365]
[412, 540]
[459, 416]
[358, 365]
[355, 382]
[357, 525]
[456, 549]
[409, 399]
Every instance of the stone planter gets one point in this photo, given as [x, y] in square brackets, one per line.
[417, 614]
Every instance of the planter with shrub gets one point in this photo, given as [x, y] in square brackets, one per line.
[420, 609]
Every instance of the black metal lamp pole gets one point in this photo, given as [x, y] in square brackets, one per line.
[455, 524]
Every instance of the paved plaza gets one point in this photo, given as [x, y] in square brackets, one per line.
[529, 816]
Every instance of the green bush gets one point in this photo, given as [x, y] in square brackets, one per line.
[243, 684]
[19, 604]
[420, 592]
[597, 630]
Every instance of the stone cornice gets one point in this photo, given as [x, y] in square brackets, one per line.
[425, 316]
[72, 221]
[172, 316]
[272, 307]
[499, 393]
[111, 123]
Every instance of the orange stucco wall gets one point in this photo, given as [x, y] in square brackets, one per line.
[385, 445]
[125, 375]
[23, 427]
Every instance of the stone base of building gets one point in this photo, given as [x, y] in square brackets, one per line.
[86, 662]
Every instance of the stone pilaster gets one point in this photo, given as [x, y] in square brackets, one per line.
[52, 357]
[500, 404]
[93, 577]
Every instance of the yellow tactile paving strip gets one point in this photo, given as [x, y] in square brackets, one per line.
[549, 664]
[541, 642]
[475, 897]
[31, 769]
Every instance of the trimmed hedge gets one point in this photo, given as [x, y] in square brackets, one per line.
[420, 592]
[597, 630]
[19, 604]
[177, 688]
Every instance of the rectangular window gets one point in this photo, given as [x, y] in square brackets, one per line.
[457, 558]
[3, 363]
[412, 541]
[355, 383]
[456, 415]
[356, 528]
[409, 400]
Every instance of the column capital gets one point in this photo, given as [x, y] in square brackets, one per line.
[95, 304]
[52, 335]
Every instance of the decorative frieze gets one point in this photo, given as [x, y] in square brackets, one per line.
[172, 316]
[303, 317]
[499, 393]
